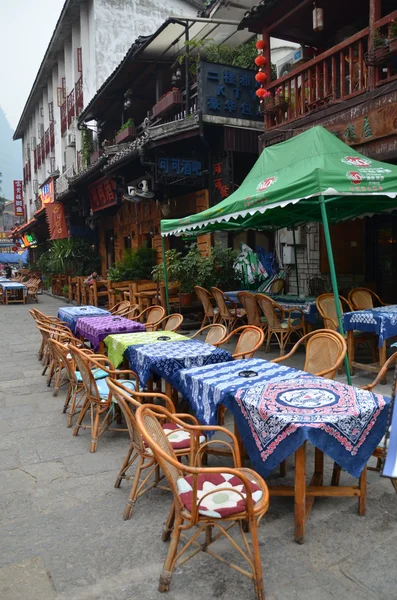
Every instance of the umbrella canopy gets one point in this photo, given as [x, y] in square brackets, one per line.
[283, 188]
[13, 257]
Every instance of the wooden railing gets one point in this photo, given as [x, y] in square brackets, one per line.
[63, 118]
[70, 107]
[38, 154]
[42, 143]
[52, 136]
[79, 95]
[340, 73]
[47, 142]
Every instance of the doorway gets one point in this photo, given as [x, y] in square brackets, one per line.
[109, 247]
[384, 255]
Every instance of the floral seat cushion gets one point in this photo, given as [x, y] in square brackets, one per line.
[178, 437]
[227, 497]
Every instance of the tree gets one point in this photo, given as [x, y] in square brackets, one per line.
[2, 204]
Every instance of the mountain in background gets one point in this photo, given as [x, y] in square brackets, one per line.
[10, 157]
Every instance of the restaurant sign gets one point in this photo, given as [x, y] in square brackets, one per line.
[228, 92]
[47, 192]
[18, 199]
[177, 170]
[102, 194]
[56, 221]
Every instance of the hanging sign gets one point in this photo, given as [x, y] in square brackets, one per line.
[18, 199]
[56, 221]
[102, 194]
[47, 192]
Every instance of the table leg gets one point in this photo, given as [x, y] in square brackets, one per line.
[382, 360]
[300, 493]
[168, 389]
[363, 492]
[101, 348]
[350, 350]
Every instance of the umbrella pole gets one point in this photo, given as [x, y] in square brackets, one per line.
[333, 276]
[296, 262]
[167, 300]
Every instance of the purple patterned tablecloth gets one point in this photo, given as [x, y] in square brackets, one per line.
[95, 330]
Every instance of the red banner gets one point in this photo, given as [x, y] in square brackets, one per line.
[18, 199]
[56, 221]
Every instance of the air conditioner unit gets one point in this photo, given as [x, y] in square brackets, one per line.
[284, 68]
[302, 54]
[71, 139]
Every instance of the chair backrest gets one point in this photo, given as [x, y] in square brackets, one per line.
[60, 352]
[277, 286]
[154, 314]
[327, 308]
[133, 312]
[121, 308]
[250, 305]
[173, 322]
[220, 302]
[325, 351]
[205, 298]
[84, 364]
[250, 340]
[128, 403]
[267, 306]
[361, 298]
[214, 333]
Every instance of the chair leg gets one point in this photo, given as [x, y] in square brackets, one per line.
[169, 524]
[68, 397]
[133, 493]
[169, 563]
[258, 577]
[82, 414]
[95, 428]
[126, 464]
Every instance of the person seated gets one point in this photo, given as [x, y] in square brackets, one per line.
[8, 271]
[91, 278]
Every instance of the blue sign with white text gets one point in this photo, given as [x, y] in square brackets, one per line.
[228, 92]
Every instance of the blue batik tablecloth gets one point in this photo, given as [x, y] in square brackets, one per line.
[14, 285]
[281, 407]
[70, 314]
[306, 304]
[167, 359]
[382, 321]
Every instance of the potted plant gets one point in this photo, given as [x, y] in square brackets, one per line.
[280, 99]
[393, 36]
[167, 102]
[127, 132]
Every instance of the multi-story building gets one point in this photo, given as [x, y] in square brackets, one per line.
[89, 40]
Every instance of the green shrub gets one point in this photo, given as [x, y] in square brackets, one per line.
[136, 264]
[70, 256]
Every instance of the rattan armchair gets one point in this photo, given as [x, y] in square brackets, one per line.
[325, 351]
[151, 316]
[210, 312]
[206, 498]
[121, 309]
[170, 323]
[147, 465]
[277, 286]
[97, 395]
[229, 313]
[250, 305]
[215, 333]
[249, 341]
[280, 322]
[362, 298]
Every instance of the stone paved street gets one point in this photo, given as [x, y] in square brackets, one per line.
[62, 535]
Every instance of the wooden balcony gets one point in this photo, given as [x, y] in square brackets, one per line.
[47, 142]
[63, 119]
[70, 107]
[79, 95]
[344, 71]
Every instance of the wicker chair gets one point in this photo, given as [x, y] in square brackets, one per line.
[250, 305]
[214, 333]
[171, 322]
[250, 340]
[362, 298]
[227, 316]
[205, 297]
[97, 396]
[121, 309]
[277, 286]
[281, 323]
[327, 310]
[325, 351]
[128, 402]
[32, 293]
[198, 494]
[151, 316]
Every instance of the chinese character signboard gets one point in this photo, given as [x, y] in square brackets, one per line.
[228, 92]
[183, 171]
[102, 194]
[56, 221]
[222, 178]
[47, 192]
[18, 199]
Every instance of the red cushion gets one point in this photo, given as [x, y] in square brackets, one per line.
[224, 500]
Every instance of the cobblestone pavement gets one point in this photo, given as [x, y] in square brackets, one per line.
[62, 535]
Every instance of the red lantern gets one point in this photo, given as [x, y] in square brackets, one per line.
[260, 61]
[261, 77]
[260, 44]
[261, 93]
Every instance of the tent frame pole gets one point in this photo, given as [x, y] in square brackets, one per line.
[167, 300]
[296, 262]
[334, 282]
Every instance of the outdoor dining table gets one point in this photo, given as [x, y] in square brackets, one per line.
[70, 314]
[13, 292]
[382, 321]
[167, 359]
[117, 344]
[277, 409]
[95, 330]
[307, 304]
